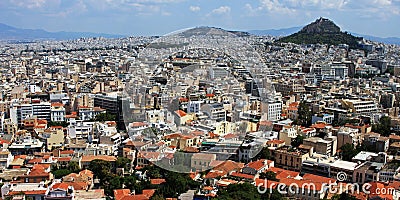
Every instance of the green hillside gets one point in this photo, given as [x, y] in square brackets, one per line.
[322, 31]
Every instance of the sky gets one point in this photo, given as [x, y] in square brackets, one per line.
[159, 17]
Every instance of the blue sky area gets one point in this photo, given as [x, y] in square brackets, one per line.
[159, 17]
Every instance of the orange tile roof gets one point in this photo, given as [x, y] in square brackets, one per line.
[215, 174]
[229, 166]
[64, 159]
[2, 141]
[138, 124]
[191, 149]
[29, 192]
[67, 152]
[378, 189]
[20, 156]
[394, 137]
[121, 193]
[180, 113]
[266, 183]
[35, 161]
[257, 165]
[99, 157]
[157, 181]
[38, 173]
[57, 104]
[63, 186]
[283, 173]
[275, 141]
[241, 175]
[149, 192]
[319, 125]
[395, 184]
[316, 178]
[210, 95]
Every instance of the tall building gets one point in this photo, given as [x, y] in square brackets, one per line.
[273, 109]
[218, 72]
[360, 107]
[41, 110]
[113, 105]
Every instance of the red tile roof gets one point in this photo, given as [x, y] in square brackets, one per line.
[67, 152]
[266, 183]
[257, 165]
[63, 186]
[157, 181]
[64, 159]
[180, 113]
[241, 175]
[121, 193]
[282, 173]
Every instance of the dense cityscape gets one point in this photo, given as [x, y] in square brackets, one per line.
[203, 113]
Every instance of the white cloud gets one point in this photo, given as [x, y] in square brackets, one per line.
[379, 8]
[194, 8]
[383, 2]
[157, 1]
[30, 4]
[270, 6]
[222, 10]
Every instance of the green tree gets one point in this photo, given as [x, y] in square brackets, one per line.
[157, 197]
[113, 184]
[348, 152]
[59, 173]
[244, 191]
[297, 141]
[383, 127]
[344, 196]
[104, 117]
[304, 115]
[73, 166]
[269, 175]
[123, 162]
[265, 153]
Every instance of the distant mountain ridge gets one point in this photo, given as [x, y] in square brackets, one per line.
[12, 33]
[276, 32]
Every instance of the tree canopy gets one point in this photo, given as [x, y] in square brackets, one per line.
[383, 127]
[304, 115]
[348, 151]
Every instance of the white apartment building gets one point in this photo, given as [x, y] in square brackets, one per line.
[218, 72]
[194, 106]
[57, 112]
[360, 107]
[273, 109]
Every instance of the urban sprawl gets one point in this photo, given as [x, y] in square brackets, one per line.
[201, 114]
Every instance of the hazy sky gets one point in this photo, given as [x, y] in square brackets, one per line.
[159, 17]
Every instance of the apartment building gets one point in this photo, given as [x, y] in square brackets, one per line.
[325, 146]
[292, 159]
[57, 112]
